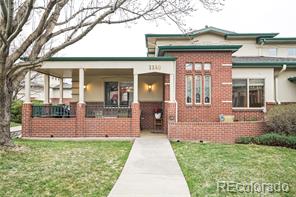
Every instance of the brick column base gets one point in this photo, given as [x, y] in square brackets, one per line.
[26, 119]
[80, 120]
[136, 113]
[171, 114]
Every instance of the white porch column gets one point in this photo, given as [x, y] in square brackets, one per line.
[28, 87]
[136, 99]
[172, 88]
[81, 85]
[61, 90]
[46, 89]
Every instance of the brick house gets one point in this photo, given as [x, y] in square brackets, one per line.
[210, 84]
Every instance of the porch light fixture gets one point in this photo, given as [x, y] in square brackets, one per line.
[149, 87]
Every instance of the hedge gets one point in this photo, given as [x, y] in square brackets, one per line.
[270, 139]
[282, 119]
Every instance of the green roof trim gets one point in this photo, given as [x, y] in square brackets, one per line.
[250, 35]
[263, 64]
[292, 79]
[291, 40]
[63, 59]
[231, 48]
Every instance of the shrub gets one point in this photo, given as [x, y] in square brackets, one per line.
[282, 119]
[16, 111]
[270, 139]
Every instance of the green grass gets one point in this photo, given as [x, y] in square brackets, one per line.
[14, 124]
[205, 164]
[62, 168]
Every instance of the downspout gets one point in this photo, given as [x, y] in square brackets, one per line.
[284, 68]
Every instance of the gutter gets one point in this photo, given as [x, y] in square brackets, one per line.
[284, 68]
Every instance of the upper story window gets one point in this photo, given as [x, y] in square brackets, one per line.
[207, 66]
[291, 51]
[188, 66]
[272, 52]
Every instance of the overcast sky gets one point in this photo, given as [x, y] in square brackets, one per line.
[242, 16]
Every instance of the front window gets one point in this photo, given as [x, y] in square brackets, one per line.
[207, 66]
[188, 81]
[239, 92]
[198, 85]
[118, 94]
[126, 93]
[248, 93]
[197, 66]
[256, 92]
[188, 66]
[207, 89]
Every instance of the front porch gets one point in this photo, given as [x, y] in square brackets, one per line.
[117, 101]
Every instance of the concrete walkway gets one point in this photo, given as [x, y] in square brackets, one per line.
[151, 170]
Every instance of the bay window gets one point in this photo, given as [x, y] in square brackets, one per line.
[248, 93]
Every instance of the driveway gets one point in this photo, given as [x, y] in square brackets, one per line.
[151, 170]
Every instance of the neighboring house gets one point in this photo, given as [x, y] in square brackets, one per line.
[38, 91]
[199, 80]
[67, 94]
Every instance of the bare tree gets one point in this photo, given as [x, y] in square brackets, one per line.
[39, 29]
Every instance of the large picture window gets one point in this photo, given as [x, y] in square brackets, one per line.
[198, 85]
[248, 93]
[118, 94]
[207, 89]
[188, 81]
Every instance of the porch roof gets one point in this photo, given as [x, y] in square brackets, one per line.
[166, 58]
[63, 67]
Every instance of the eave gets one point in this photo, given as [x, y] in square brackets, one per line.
[181, 48]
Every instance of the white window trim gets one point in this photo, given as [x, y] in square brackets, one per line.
[248, 96]
[204, 88]
[186, 78]
[195, 85]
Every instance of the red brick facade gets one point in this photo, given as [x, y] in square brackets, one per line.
[214, 131]
[221, 92]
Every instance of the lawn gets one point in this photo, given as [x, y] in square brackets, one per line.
[62, 168]
[204, 165]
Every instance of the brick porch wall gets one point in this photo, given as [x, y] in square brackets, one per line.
[80, 126]
[214, 131]
[147, 111]
[108, 127]
[53, 127]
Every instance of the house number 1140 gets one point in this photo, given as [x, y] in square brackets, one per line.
[154, 67]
